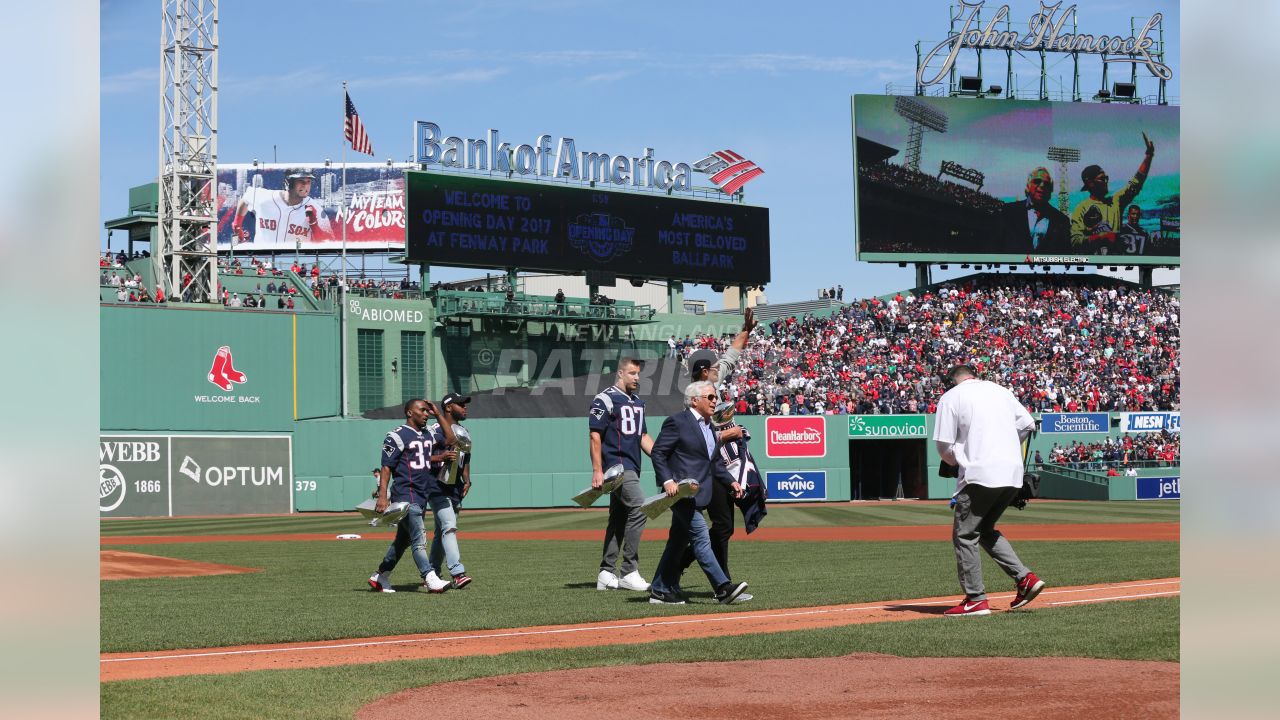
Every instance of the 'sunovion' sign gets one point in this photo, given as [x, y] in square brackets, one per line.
[546, 157]
[1044, 33]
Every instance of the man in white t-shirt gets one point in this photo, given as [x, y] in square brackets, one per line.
[980, 427]
[282, 218]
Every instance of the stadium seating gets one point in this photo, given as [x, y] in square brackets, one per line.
[1061, 344]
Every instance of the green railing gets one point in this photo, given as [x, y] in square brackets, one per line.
[571, 310]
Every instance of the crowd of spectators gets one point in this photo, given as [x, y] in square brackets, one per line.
[1159, 449]
[916, 181]
[1059, 344]
[117, 260]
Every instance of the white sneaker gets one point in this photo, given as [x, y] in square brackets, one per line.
[606, 581]
[633, 581]
[380, 582]
[433, 583]
[744, 597]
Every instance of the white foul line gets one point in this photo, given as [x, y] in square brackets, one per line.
[1117, 597]
[629, 626]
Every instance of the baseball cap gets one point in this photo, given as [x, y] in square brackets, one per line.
[458, 398]
[1088, 174]
[700, 360]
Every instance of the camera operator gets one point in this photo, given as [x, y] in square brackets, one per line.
[979, 429]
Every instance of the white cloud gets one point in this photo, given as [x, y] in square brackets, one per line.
[584, 57]
[132, 81]
[782, 63]
[433, 79]
[607, 77]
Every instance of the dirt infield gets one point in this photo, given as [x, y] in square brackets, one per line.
[1168, 532]
[129, 666]
[863, 686]
[121, 565]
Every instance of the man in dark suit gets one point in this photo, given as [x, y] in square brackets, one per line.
[685, 449]
[1033, 226]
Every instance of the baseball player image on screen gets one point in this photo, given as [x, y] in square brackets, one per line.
[282, 218]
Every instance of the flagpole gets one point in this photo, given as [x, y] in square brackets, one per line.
[342, 289]
[344, 184]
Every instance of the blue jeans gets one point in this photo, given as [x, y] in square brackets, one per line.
[688, 528]
[410, 532]
[444, 546]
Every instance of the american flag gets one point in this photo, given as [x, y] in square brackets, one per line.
[728, 170]
[356, 135]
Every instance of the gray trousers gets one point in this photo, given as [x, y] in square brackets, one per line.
[977, 509]
[626, 522]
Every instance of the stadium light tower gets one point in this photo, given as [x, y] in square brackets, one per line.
[920, 116]
[1063, 156]
[187, 240]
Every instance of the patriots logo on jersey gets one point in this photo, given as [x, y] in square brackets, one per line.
[388, 448]
[597, 413]
[1092, 219]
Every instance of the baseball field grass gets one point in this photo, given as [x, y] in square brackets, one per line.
[906, 513]
[1142, 630]
[316, 590]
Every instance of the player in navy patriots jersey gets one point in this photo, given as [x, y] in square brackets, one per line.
[445, 499]
[406, 455]
[618, 435]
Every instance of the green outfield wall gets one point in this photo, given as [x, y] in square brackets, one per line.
[480, 354]
[156, 363]
[267, 435]
[516, 463]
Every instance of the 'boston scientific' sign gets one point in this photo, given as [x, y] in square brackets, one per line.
[1044, 33]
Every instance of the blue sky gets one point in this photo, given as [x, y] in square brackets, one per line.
[769, 81]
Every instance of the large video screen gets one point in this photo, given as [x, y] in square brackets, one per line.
[257, 211]
[993, 180]
[474, 221]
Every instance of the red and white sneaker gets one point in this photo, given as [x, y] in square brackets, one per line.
[967, 608]
[380, 582]
[1028, 588]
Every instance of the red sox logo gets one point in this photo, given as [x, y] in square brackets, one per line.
[223, 372]
[299, 229]
[267, 223]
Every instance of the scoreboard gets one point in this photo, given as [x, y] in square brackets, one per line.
[475, 221]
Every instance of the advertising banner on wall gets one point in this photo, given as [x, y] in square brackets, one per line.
[796, 486]
[1159, 488]
[886, 426]
[1075, 423]
[257, 212]
[796, 436]
[940, 178]
[173, 475]
[1144, 422]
